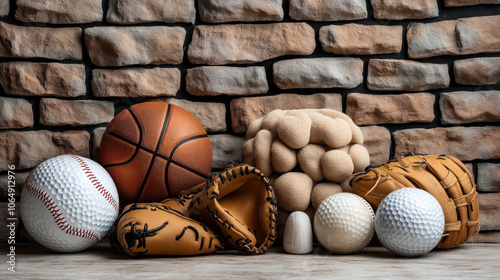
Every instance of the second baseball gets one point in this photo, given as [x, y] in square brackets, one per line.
[344, 223]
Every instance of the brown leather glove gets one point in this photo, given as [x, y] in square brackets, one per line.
[445, 177]
[157, 229]
[239, 205]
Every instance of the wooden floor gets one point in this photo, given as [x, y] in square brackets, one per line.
[468, 261]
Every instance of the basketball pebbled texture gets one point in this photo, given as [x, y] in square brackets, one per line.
[154, 150]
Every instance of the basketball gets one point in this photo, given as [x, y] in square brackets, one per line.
[155, 150]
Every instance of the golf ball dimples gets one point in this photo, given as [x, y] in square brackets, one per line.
[344, 223]
[409, 222]
[68, 203]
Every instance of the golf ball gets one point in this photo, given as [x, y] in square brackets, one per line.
[409, 222]
[344, 223]
[68, 203]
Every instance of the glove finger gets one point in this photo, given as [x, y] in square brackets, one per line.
[375, 184]
[245, 209]
[458, 183]
[154, 229]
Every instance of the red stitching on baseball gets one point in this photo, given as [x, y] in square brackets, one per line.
[60, 221]
[93, 179]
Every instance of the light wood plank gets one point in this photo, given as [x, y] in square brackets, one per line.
[468, 261]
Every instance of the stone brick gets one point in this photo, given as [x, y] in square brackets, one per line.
[470, 106]
[136, 82]
[249, 43]
[488, 177]
[223, 80]
[465, 143]
[477, 71]
[19, 179]
[377, 140]
[407, 75]
[4, 7]
[96, 142]
[120, 46]
[469, 166]
[15, 113]
[59, 11]
[28, 42]
[27, 149]
[240, 10]
[361, 39]
[454, 37]
[404, 9]
[54, 112]
[328, 10]
[489, 207]
[246, 109]
[210, 114]
[394, 108]
[133, 12]
[226, 148]
[459, 3]
[324, 72]
[43, 79]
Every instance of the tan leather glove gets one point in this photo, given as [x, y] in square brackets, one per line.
[157, 229]
[238, 205]
[445, 177]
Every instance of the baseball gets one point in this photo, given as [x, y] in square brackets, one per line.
[409, 222]
[68, 203]
[344, 223]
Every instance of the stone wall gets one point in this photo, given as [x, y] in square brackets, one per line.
[417, 75]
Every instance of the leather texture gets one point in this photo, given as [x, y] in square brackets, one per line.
[443, 176]
[235, 209]
[157, 229]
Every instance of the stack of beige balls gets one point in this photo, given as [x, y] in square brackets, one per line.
[308, 154]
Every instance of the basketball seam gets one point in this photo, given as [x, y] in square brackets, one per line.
[56, 213]
[137, 145]
[184, 141]
[97, 184]
[164, 157]
[155, 154]
[171, 160]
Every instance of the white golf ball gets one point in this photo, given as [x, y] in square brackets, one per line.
[344, 223]
[68, 203]
[409, 222]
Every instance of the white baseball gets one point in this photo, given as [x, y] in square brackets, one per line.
[69, 203]
[344, 223]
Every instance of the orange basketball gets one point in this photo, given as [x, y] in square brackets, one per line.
[154, 150]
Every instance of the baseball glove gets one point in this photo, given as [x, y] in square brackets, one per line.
[445, 177]
[158, 229]
[239, 204]
[235, 209]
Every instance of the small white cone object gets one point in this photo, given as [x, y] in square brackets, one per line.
[298, 234]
